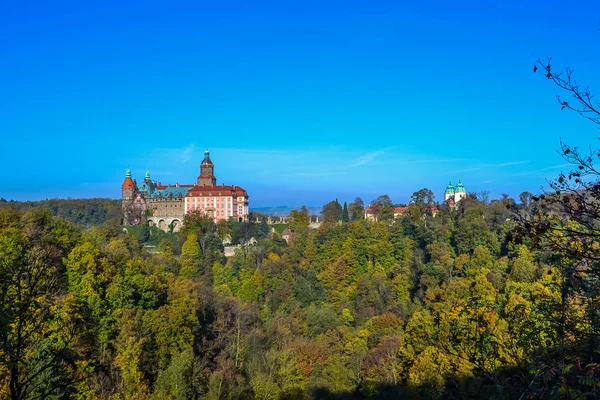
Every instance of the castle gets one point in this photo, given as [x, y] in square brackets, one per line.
[165, 206]
[453, 195]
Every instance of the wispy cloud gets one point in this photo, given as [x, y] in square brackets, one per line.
[250, 151]
[507, 164]
[319, 173]
[163, 173]
[552, 167]
[174, 155]
[366, 159]
[435, 161]
[429, 161]
[464, 170]
[186, 154]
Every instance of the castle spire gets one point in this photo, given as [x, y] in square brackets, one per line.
[207, 171]
[207, 157]
[128, 182]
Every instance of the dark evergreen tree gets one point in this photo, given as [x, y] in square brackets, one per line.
[345, 215]
[263, 229]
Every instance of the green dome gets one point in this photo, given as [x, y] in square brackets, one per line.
[450, 189]
[128, 173]
[207, 158]
[460, 187]
[147, 175]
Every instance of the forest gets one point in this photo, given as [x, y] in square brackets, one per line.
[81, 212]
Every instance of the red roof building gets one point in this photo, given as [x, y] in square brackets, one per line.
[166, 205]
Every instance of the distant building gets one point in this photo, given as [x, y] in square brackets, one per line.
[432, 209]
[287, 235]
[453, 195]
[371, 216]
[399, 211]
[166, 205]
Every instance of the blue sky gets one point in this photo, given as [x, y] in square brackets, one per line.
[299, 102]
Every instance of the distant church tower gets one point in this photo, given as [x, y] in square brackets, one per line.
[449, 193]
[207, 169]
[453, 195]
[460, 192]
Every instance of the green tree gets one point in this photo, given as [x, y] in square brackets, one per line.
[224, 229]
[332, 211]
[422, 197]
[523, 268]
[263, 229]
[39, 323]
[345, 214]
[383, 208]
[356, 209]
[190, 247]
[298, 220]
[199, 224]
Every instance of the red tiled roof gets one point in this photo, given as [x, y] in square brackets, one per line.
[128, 184]
[198, 191]
[433, 209]
[397, 210]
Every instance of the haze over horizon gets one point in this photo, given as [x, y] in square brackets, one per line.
[297, 103]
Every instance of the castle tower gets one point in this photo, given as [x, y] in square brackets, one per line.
[449, 193]
[127, 193]
[128, 187]
[207, 169]
[460, 192]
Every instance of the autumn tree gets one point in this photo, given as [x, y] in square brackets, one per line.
[356, 209]
[383, 208]
[299, 220]
[565, 222]
[332, 211]
[38, 321]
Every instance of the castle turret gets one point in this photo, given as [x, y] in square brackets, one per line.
[449, 193]
[460, 192]
[127, 193]
[128, 186]
[207, 168]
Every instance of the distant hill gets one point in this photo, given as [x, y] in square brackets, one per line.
[82, 212]
[283, 211]
[87, 212]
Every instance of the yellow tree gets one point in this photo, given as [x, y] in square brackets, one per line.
[36, 335]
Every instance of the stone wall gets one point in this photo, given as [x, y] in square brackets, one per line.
[164, 223]
[169, 207]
